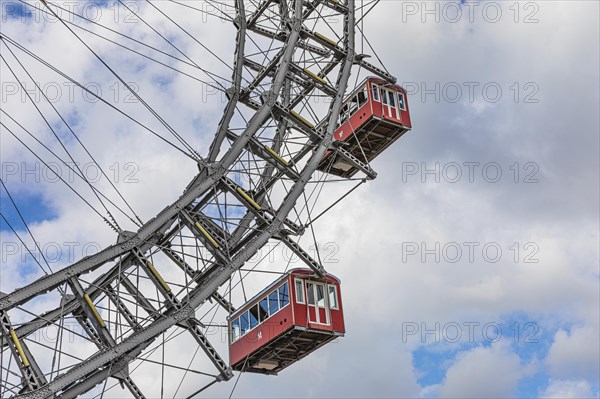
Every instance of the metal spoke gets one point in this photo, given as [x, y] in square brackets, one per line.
[185, 270]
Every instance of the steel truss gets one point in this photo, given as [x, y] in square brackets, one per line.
[277, 148]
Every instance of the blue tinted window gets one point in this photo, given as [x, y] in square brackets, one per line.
[263, 309]
[273, 302]
[284, 296]
[245, 325]
[254, 316]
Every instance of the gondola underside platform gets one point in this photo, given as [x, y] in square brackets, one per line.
[374, 137]
[291, 346]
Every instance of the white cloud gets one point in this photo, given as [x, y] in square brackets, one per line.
[575, 354]
[380, 290]
[481, 372]
[565, 389]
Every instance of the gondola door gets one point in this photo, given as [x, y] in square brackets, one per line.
[318, 309]
[389, 103]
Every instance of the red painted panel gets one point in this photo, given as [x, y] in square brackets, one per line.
[373, 108]
[345, 130]
[337, 316]
[337, 321]
[287, 317]
[260, 335]
[405, 114]
[312, 316]
[323, 315]
[377, 109]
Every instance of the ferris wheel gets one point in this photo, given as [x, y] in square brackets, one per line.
[157, 311]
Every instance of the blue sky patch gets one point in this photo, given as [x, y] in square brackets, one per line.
[530, 337]
[15, 11]
[33, 207]
[429, 366]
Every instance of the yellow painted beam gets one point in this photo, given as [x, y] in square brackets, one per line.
[17, 343]
[247, 198]
[94, 310]
[301, 119]
[157, 275]
[315, 76]
[207, 235]
[276, 155]
[325, 39]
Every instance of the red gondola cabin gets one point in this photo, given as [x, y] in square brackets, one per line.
[371, 118]
[290, 319]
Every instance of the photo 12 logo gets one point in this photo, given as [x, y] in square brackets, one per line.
[469, 171]
[472, 92]
[70, 11]
[469, 251]
[469, 331]
[50, 252]
[68, 172]
[67, 91]
[453, 12]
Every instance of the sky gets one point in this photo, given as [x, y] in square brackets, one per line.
[469, 267]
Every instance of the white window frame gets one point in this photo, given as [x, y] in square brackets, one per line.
[385, 100]
[257, 306]
[233, 337]
[325, 295]
[392, 98]
[303, 301]
[242, 333]
[316, 305]
[403, 108]
[350, 110]
[312, 289]
[374, 90]
[337, 306]
[364, 93]
[259, 309]
[279, 295]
